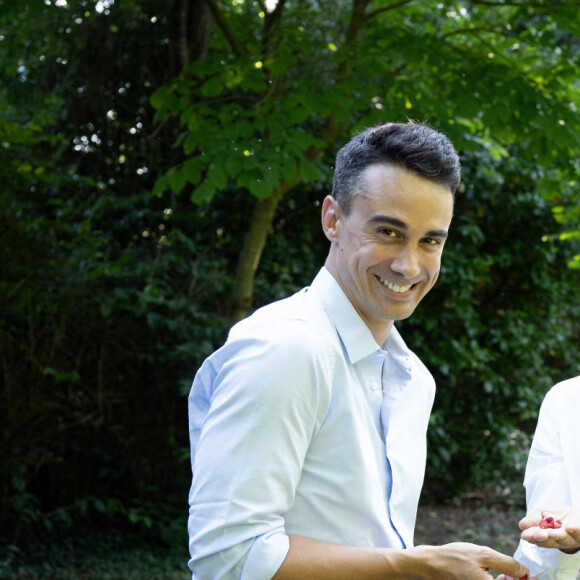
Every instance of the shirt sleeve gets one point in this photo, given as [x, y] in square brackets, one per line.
[546, 484]
[249, 454]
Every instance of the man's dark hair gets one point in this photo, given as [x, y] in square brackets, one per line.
[412, 146]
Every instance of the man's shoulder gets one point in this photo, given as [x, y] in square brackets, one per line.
[284, 350]
[566, 393]
[567, 387]
[292, 321]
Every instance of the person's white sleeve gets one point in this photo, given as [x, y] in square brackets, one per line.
[546, 484]
[249, 456]
[548, 563]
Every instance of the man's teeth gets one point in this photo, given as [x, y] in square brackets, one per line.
[394, 287]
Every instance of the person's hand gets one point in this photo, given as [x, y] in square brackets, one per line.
[461, 560]
[565, 538]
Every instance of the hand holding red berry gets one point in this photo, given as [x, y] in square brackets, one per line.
[553, 528]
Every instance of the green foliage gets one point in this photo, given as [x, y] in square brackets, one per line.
[256, 112]
[567, 213]
[99, 550]
[98, 342]
[102, 286]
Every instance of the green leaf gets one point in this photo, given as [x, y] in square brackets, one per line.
[202, 193]
[271, 176]
[251, 83]
[300, 138]
[289, 168]
[162, 97]
[234, 163]
[161, 184]
[191, 143]
[298, 115]
[177, 179]
[192, 169]
[212, 88]
[217, 175]
[193, 122]
[309, 170]
[242, 129]
[247, 177]
[260, 189]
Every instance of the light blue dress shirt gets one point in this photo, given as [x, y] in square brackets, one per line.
[302, 424]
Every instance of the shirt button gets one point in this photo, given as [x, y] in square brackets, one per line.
[374, 387]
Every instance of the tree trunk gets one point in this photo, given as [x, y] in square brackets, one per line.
[189, 29]
[251, 252]
[260, 224]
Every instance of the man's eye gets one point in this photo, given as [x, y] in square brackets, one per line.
[432, 241]
[388, 232]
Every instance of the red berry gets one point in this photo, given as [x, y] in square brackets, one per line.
[550, 522]
[524, 577]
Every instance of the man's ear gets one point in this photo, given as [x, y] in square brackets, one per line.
[330, 217]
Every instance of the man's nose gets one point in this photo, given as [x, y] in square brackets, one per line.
[406, 263]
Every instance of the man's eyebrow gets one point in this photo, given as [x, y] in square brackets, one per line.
[387, 219]
[397, 223]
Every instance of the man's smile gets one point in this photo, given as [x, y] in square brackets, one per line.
[394, 287]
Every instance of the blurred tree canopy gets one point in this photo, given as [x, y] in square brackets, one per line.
[281, 84]
[163, 165]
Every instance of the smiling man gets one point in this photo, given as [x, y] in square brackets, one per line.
[308, 427]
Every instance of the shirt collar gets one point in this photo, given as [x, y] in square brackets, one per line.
[354, 333]
[398, 350]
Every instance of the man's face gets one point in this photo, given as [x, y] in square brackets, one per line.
[386, 254]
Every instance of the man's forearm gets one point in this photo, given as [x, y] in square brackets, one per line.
[310, 559]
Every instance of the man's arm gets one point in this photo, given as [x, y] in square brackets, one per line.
[253, 410]
[310, 559]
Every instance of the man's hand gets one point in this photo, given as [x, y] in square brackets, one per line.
[461, 560]
[566, 538]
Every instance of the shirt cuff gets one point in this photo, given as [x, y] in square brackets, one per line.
[266, 555]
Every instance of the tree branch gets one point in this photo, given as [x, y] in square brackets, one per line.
[225, 28]
[468, 31]
[521, 4]
[511, 61]
[271, 23]
[386, 8]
